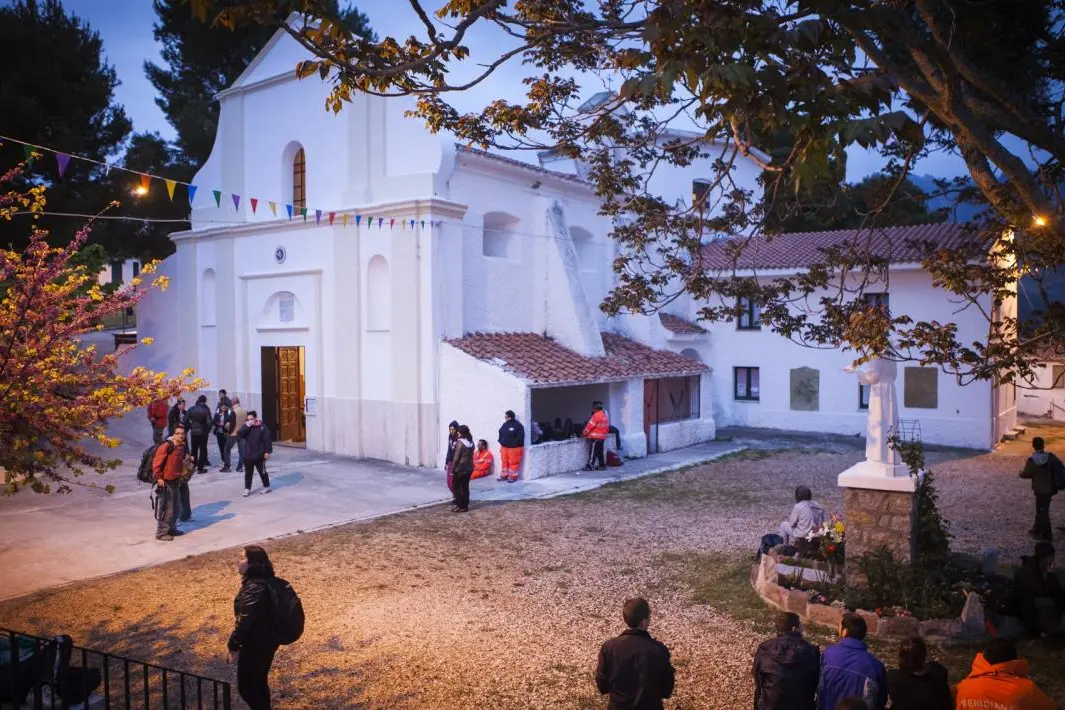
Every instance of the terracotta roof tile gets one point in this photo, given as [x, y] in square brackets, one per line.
[679, 326]
[802, 249]
[542, 361]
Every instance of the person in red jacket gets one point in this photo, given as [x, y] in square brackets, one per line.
[158, 413]
[169, 465]
[596, 431]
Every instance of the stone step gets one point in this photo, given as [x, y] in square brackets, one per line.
[1009, 436]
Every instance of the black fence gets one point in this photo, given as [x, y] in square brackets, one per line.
[54, 673]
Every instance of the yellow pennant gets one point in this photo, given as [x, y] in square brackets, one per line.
[273, 208]
[170, 184]
[344, 220]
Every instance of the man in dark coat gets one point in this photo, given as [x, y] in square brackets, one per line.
[257, 450]
[634, 669]
[786, 669]
[176, 417]
[1037, 596]
[1040, 469]
[200, 421]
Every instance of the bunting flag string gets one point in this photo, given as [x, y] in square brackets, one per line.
[144, 180]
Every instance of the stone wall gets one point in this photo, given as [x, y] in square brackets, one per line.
[878, 519]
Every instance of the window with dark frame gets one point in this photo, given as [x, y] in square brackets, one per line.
[1058, 373]
[750, 317]
[699, 189]
[863, 396]
[299, 180]
[746, 384]
[877, 300]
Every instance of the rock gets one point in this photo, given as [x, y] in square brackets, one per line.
[828, 616]
[767, 573]
[942, 628]
[989, 566]
[898, 626]
[972, 616]
[797, 601]
[776, 596]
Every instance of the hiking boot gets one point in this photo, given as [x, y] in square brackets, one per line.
[264, 491]
[246, 493]
[164, 538]
[225, 469]
[502, 478]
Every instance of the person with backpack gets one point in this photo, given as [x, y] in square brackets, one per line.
[1047, 475]
[199, 421]
[168, 467]
[225, 431]
[257, 450]
[268, 614]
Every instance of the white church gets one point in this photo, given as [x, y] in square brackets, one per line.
[417, 281]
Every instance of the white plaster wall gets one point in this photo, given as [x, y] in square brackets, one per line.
[963, 417]
[674, 184]
[559, 457]
[678, 435]
[1038, 398]
[476, 394]
[625, 406]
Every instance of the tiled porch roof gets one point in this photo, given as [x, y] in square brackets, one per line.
[679, 326]
[542, 361]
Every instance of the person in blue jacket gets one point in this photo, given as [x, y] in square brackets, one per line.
[849, 669]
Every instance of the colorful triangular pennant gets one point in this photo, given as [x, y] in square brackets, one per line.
[288, 208]
[273, 208]
[344, 220]
[392, 223]
[170, 185]
[28, 150]
[412, 224]
[254, 204]
[236, 202]
[303, 213]
[380, 221]
[192, 193]
[62, 160]
[331, 216]
[146, 181]
[317, 216]
[217, 197]
[358, 218]
[423, 224]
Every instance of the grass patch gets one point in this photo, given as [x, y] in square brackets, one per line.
[720, 581]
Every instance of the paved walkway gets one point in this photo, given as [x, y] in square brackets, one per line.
[47, 541]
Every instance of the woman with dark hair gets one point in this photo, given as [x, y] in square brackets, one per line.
[806, 516]
[462, 469]
[253, 638]
[452, 437]
[917, 682]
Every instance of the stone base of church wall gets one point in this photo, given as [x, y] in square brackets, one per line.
[876, 519]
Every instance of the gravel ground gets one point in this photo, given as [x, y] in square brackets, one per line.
[505, 607]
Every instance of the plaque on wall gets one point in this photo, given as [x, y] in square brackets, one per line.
[310, 407]
[280, 254]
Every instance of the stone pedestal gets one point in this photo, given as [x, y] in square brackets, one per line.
[879, 511]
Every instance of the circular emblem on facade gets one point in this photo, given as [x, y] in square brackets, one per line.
[280, 254]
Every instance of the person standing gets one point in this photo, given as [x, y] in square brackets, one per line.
[634, 669]
[511, 447]
[452, 437]
[257, 450]
[917, 682]
[849, 668]
[176, 417]
[223, 399]
[596, 431]
[240, 415]
[199, 423]
[786, 668]
[168, 464]
[226, 432]
[1041, 468]
[158, 417]
[462, 469]
[253, 639]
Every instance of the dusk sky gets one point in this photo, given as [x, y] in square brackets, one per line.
[126, 29]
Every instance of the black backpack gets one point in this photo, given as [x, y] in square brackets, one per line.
[1057, 475]
[286, 613]
[145, 472]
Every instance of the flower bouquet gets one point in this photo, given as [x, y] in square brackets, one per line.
[831, 534]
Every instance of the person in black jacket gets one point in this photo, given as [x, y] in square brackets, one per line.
[200, 421]
[257, 450]
[253, 639]
[786, 668]
[634, 669]
[1040, 469]
[511, 447]
[452, 437]
[917, 683]
[1037, 596]
[462, 469]
[176, 417]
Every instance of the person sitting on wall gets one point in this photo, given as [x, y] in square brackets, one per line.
[806, 516]
[1037, 596]
[482, 460]
[537, 433]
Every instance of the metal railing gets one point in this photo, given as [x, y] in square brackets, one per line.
[34, 675]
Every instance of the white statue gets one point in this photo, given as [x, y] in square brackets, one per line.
[883, 409]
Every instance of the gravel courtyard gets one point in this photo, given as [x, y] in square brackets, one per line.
[506, 607]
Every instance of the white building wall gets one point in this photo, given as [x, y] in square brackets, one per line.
[1040, 398]
[476, 394]
[962, 417]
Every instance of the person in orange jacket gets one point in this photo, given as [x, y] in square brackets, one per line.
[596, 431]
[1000, 680]
[482, 460]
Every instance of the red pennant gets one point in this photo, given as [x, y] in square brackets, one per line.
[392, 223]
[254, 203]
[146, 181]
[331, 216]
